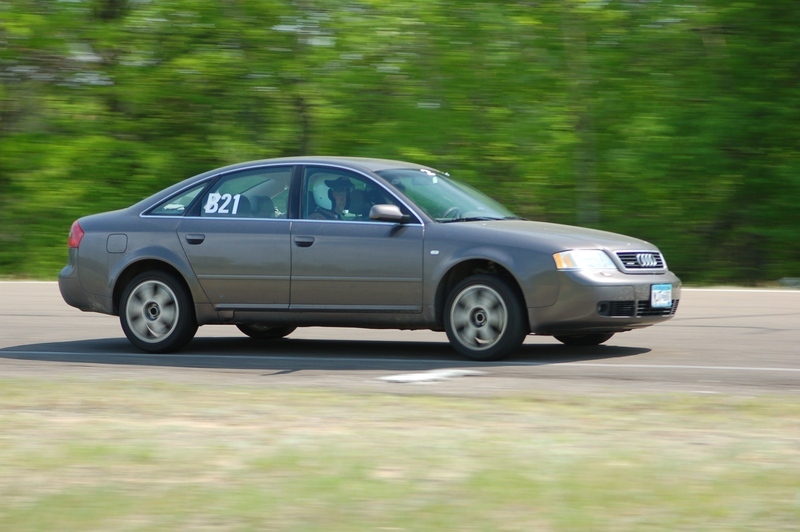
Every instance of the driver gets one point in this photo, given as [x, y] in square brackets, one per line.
[332, 197]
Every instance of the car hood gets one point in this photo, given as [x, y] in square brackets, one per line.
[559, 237]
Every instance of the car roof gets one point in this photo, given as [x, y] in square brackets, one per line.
[363, 164]
[359, 163]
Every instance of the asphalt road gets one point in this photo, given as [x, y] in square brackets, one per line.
[722, 341]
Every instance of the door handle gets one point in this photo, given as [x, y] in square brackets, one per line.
[303, 241]
[195, 238]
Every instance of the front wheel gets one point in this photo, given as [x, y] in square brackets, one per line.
[265, 332]
[484, 318]
[156, 313]
[584, 339]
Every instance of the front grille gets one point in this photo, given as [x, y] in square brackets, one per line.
[617, 309]
[641, 260]
[631, 309]
[644, 310]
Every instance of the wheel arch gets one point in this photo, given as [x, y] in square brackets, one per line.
[465, 269]
[132, 270]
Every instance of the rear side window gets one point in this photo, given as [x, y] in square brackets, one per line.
[177, 205]
[256, 193]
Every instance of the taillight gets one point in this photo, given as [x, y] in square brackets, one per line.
[75, 235]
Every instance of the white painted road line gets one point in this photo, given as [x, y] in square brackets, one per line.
[433, 375]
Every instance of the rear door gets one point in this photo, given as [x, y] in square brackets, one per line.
[238, 240]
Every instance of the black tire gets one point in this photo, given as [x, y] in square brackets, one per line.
[265, 332]
[584, 339]
[484, 318]
[156, 313]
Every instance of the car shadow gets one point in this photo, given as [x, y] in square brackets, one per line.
[293, 354]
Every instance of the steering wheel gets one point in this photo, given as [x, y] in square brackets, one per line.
[452, 212]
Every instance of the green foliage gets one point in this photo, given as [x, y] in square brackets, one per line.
[671, 121]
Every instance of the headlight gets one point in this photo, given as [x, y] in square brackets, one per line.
[583, 259]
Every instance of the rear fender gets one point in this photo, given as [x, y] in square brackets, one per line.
[150, 258]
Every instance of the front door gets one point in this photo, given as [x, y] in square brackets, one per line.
[342, 260]
[356, 266]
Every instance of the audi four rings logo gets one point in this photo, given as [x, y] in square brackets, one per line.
[646, 260]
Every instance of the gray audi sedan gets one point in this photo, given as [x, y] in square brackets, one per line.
[276, 244]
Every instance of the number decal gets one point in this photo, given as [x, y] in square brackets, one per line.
[226, 198]
[213, 203]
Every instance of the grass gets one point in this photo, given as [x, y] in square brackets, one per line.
[126, 455]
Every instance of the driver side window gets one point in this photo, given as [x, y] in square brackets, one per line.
[332, 194]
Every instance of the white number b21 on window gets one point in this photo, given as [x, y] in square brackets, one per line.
[221, 203]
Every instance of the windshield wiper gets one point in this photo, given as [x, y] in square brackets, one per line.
[472, 219]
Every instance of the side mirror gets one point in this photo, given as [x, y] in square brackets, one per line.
[386, 213]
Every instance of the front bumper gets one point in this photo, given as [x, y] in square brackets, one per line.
[603, 301]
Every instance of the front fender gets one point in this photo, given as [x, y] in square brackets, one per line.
[533, 272]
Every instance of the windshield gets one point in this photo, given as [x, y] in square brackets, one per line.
[444, 199]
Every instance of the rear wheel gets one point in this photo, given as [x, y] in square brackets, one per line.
[156, 313]
[584, 339]
[484, 318]
[265, 332]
